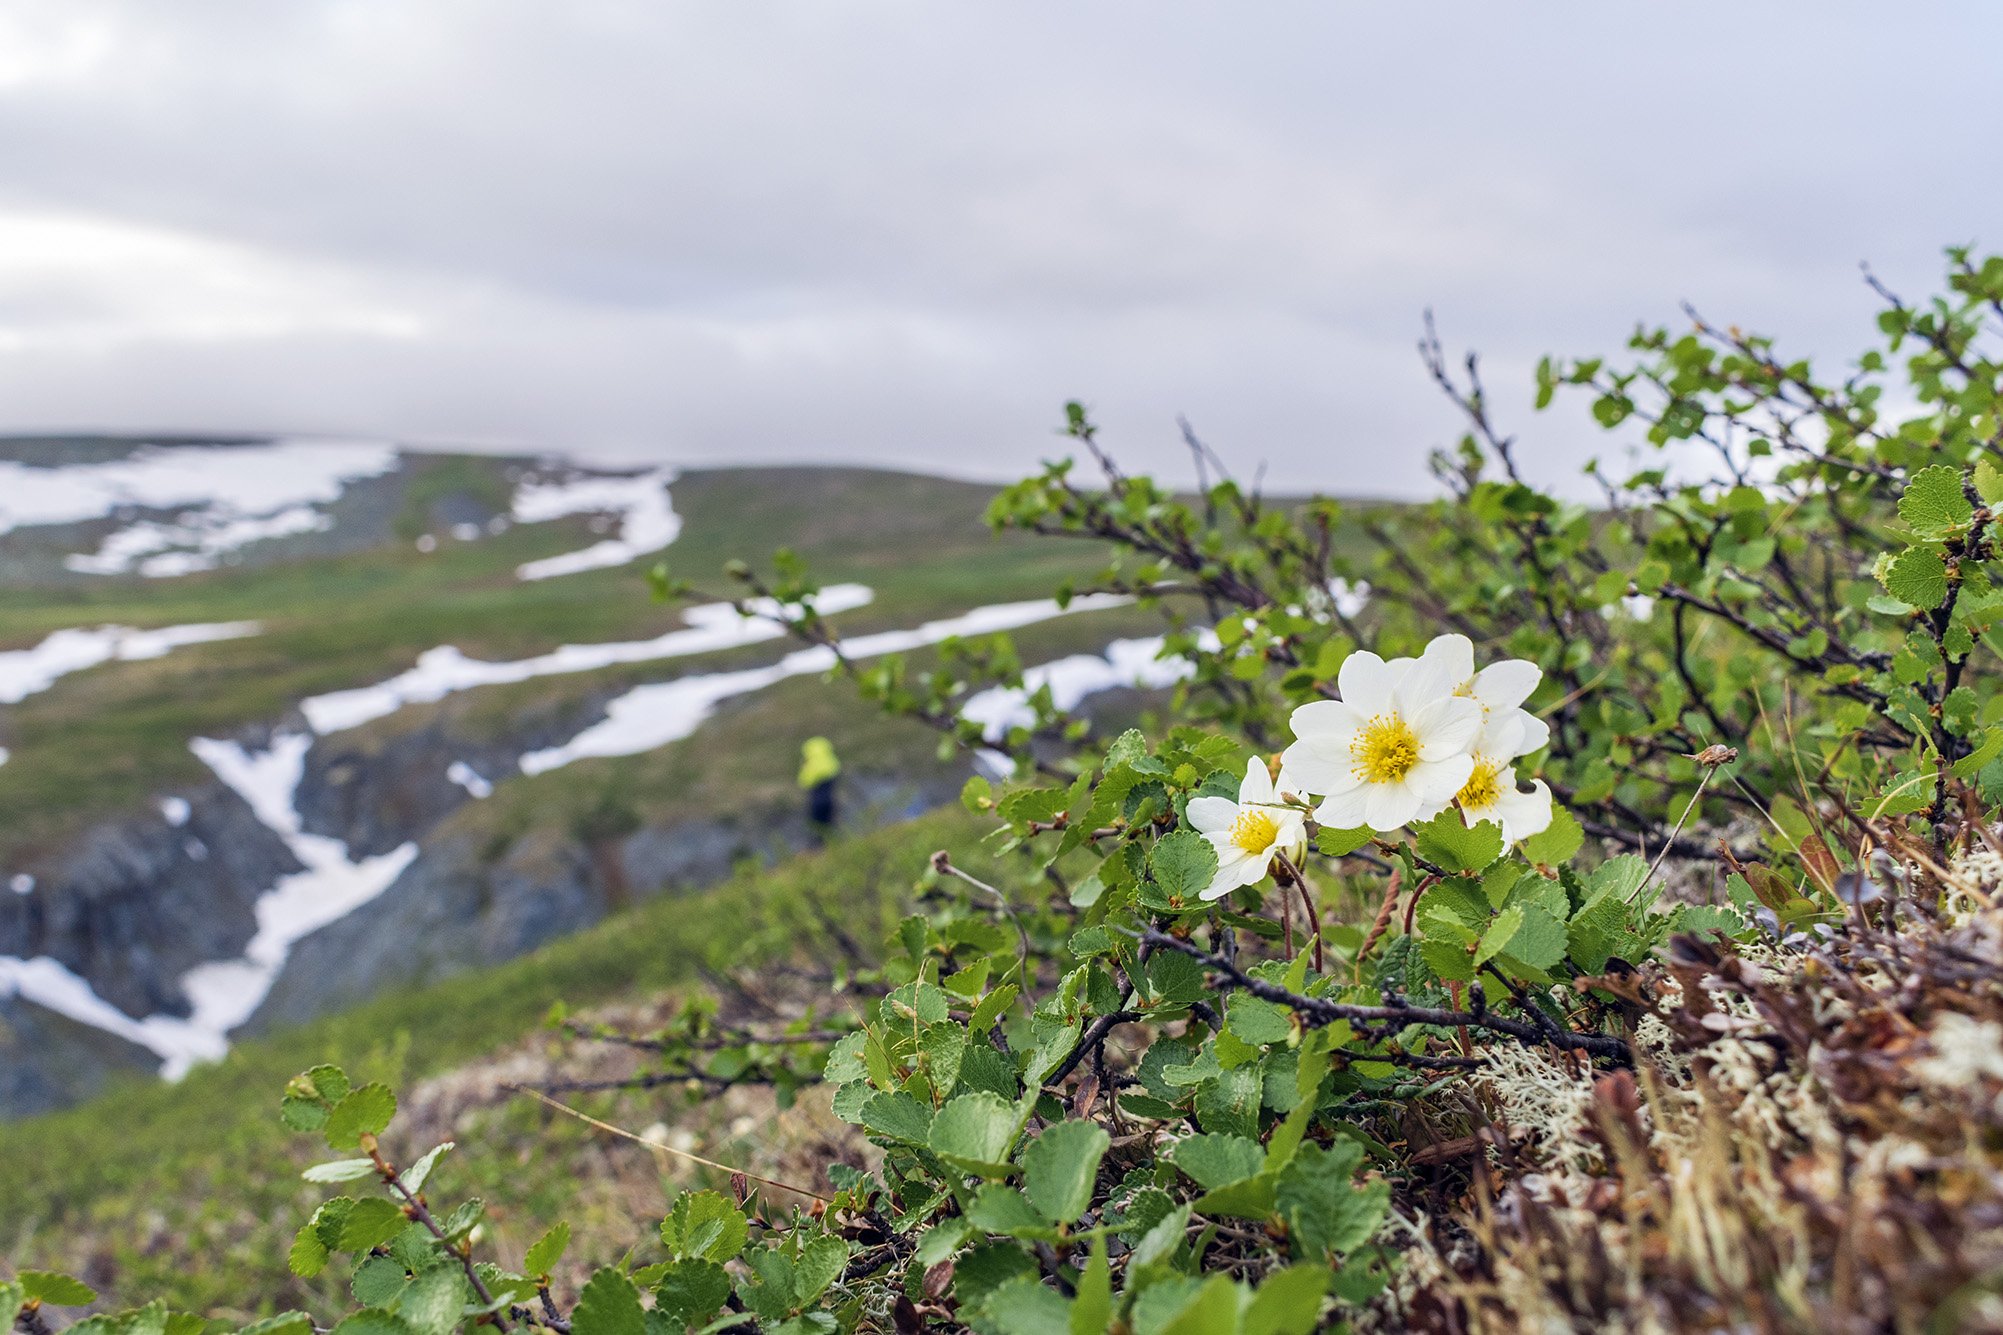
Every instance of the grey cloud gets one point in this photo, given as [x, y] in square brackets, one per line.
[905, 232]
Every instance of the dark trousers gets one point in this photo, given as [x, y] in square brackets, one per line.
[821, 803]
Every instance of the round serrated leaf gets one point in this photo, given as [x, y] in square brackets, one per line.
[56, 1290]
[1917, 576]
[1060, 1168]
[365, 1111]
[609, 1305]
[973, 1132]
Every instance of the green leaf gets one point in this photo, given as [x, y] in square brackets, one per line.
[285, 1323]
[1060, 1167]
[373, 1321]
[1288, 1303]
[1000, 1208]
[339, 1170]
[434, 1300]
[330, 1082]
[309, 1254]
[976, 795]
[1258, 1021]
[1558, 843]
[377, 1281]
[1917, 576]
[1539, 940]
[1161, 1241]
[973, 1133]
[11, 1301]
[609, 1305]
[1595, 933]
[1215, 1160]
[372, 1222]
[1617, 877]
[365, 1111]
[942, 1240]
[1988, 481]
[821, 1264]
[691, 1291]
[1447, 840]
[54, 1289]
[302, 1114]
[547, 1251]
[1183, 864]
[1213, 1308]
[1022, 1306]
[898, 1116]
[704, 1226]
[1338, 843]
[1507, 923]
[1326, 1212]
[1933, 503]
[1092, 1310]
[415, 1176]
[1174, 979]
[1444, 952]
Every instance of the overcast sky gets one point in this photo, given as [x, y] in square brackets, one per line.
[906, 232]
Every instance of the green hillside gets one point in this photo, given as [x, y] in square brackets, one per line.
[191, 1191]
[109, 739]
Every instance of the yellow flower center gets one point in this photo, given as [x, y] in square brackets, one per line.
[1483, 785]
[1385, 750]
[1254, 830]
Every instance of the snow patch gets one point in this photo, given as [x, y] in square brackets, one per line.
[1125, 663]
[651, 716]
[647, 518]
[232, 494]
[468, 778]
[25, 672]
[445, 671]
[332, 885]
[200, 542]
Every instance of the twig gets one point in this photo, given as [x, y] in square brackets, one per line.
[1318, 1011]
[624, 1134]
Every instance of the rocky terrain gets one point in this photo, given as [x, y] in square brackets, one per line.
[319, 790]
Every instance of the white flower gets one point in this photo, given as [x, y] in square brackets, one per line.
[1500, 689]
[1507, 731]
[1248, 833]
[1490, 793]
[1394, 748]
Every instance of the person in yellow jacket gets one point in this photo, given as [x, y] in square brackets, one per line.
[818, 770]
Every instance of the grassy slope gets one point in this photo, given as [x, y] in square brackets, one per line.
[110, 738]
[191, 1192]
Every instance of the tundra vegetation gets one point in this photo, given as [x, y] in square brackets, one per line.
[1596, 929]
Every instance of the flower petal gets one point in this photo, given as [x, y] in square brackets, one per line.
[1389, 806]
[1501, 734]
[1366, 682]
[1448, 724]
[1344, 810]
[1445, 667]
[1507, 684]
[1536, 734]
[1524, 814]
[1258, 785]
[1440, 780]
[1327, 720]
[1319, 769]
[1212, 815]
[1292, 838]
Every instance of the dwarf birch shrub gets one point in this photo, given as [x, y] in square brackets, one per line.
[1522, 912]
